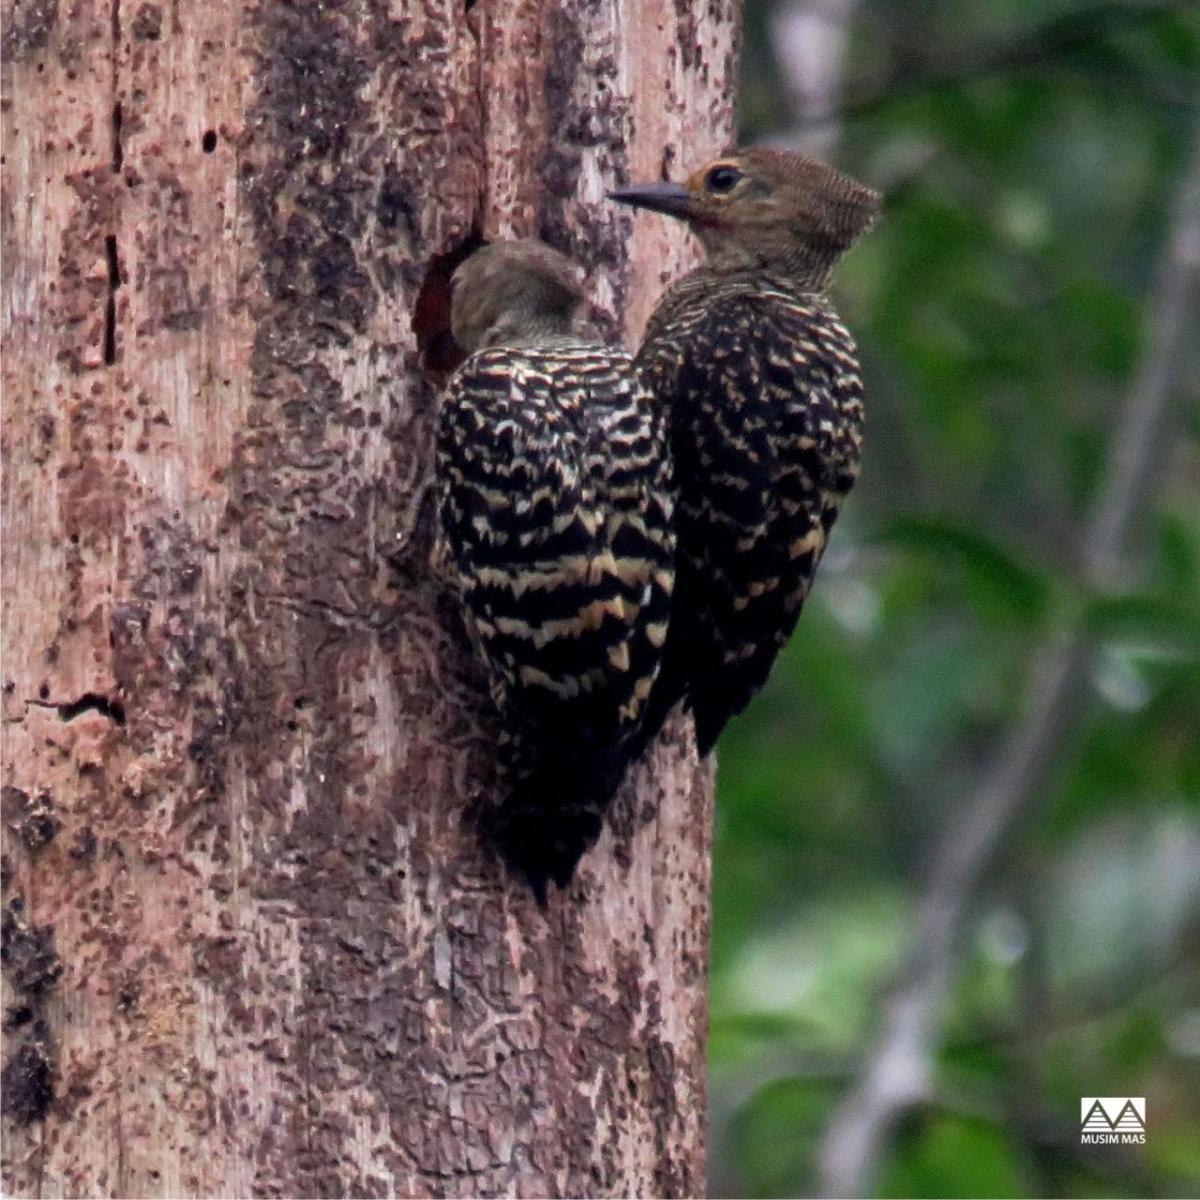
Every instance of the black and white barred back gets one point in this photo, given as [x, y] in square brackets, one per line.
[761, 384]
[556, 512]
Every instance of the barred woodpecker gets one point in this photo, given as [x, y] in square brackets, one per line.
[760, 381]
[556, 519]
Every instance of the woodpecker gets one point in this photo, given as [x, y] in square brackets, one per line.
[556, 514]
[760, 384]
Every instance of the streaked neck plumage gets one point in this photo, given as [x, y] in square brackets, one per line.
[806, 267]
[528, 329]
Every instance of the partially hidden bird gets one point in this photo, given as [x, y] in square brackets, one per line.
[759, 381]
[556, 528]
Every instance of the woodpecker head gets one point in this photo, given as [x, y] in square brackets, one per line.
[513, 291]
[766, 208]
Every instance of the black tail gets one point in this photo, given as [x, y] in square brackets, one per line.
[709, 721]
[555, 814]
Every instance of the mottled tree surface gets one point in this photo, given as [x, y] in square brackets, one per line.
[252, 943]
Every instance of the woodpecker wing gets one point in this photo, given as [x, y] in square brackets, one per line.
[556, 514]
[765, 409]
[629, 461]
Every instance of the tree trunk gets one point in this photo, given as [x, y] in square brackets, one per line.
[253, 943]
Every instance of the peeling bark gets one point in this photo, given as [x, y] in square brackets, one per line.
[253, 945]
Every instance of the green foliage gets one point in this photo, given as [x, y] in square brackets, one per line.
[994, 582]
[777, 1133]
[1001, 310]
[934, 1149]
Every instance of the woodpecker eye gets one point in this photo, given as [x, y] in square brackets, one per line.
[722, 179]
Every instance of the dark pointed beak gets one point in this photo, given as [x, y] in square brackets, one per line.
[669, 198]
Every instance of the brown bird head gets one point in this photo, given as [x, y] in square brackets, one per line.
[763, 208]
[513, 291]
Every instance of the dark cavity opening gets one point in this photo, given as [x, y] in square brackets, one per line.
[208, 143]
[114, 264]
[440, 353]
[118, 149]
[114, 710]
[110, 308]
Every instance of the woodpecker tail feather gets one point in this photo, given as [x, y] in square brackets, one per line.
[554, 815]
[708, 723]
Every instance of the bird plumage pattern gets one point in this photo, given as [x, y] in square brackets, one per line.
[766, 415]
[761, 385]
[556, 514]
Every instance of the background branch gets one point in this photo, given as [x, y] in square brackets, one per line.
[809, 40]
[1050, 44]
[898, 1069]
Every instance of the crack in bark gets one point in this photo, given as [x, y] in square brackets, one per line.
[118, 149]
[68, 710]
[109, 348]
[110, 308]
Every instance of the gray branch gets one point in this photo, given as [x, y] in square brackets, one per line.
[809, 39]
[897, 1072]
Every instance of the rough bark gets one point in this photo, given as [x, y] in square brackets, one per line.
[253, 944]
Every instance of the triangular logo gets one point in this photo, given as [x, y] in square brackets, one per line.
[1113, 1114]
[1129, 1118]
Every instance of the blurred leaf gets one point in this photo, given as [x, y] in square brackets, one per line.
[1102, 323]
[1144, 616]
[816, 974]
[777, 1136]
[1104, 925]
[946, 1155]
[1179, 550]
[999, 584]
[924, 697]
[976, 1069]
[1175, 1151]
[733, 1035]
